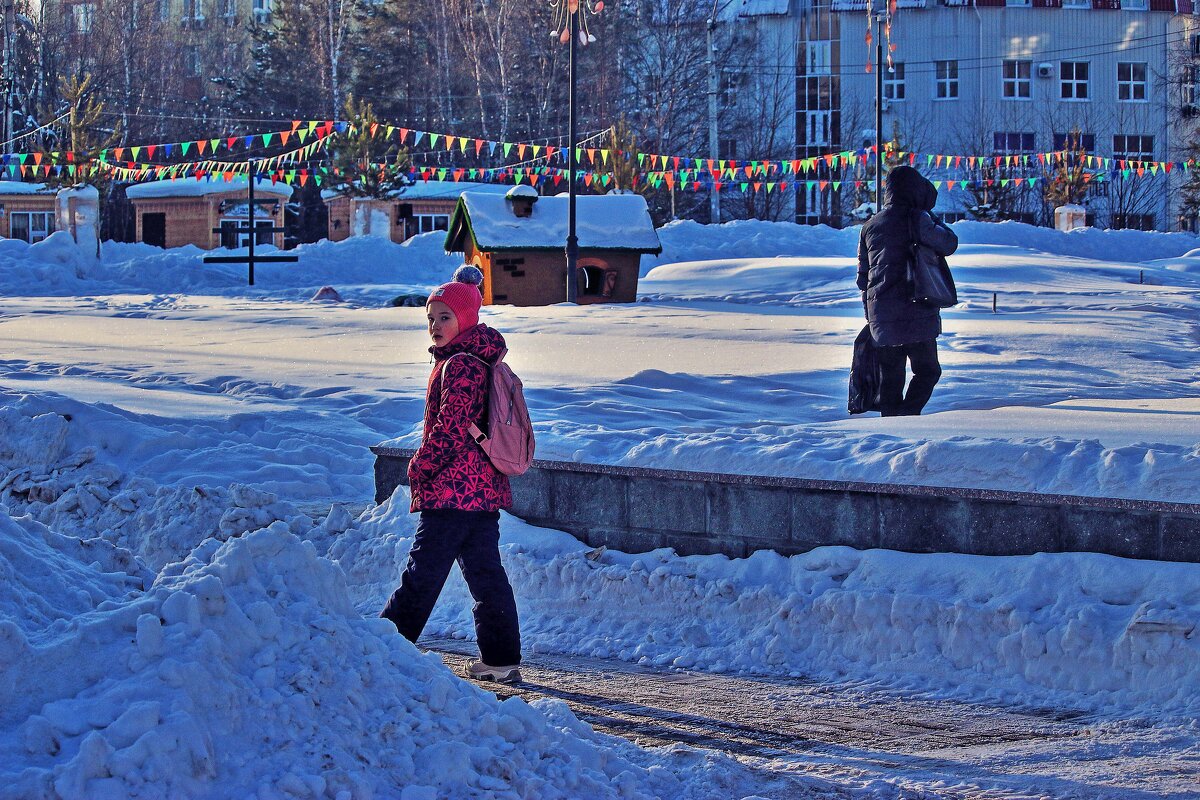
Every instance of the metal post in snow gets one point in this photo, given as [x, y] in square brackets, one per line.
[251, 168]
[714, 196]
[879, 108]
[572, 239]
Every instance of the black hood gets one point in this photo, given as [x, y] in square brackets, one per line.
[907, 187]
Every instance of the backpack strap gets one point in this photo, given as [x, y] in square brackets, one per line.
[478, 435]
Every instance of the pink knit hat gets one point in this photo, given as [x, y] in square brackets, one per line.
[462, 296]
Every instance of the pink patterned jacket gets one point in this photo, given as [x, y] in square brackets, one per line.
[450, 470]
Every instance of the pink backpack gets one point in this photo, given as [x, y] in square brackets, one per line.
[508, 443]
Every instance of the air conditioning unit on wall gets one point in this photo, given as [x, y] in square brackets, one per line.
[1045, 70]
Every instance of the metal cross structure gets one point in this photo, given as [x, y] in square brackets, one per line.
[250, 259]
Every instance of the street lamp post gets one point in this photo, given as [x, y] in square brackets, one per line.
[571, 26]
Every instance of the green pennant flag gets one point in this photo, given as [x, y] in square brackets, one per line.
[22, 157]
[744, 186]
[928, 160]
[1004, 181]
[507, 147]
[442, 173]
[837, 185]
[302, 134]
[604, 180]
[937, 184]
[699, 164]
[137, 151]
[578, 155]
[1125, 173]
[1033, 181]
[213, 144]
[184, 147]
[641, 159]
[266, 137]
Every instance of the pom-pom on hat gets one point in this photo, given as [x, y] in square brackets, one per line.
[462, 295]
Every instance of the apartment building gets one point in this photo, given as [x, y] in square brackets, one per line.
[1007, 78]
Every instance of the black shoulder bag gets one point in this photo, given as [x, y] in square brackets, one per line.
[929, 275]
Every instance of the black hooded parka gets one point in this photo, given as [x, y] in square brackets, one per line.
[884, 250]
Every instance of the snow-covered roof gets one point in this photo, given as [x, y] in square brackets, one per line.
[763, 8]
[190, 187]
[20, 187]
[433, 190]
[603, 222]
[862, 5]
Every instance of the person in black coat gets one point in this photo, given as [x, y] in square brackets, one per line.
[904, 331]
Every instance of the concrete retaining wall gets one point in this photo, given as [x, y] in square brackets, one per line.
[636, 509]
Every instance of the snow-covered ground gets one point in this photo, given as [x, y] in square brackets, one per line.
[190, 560]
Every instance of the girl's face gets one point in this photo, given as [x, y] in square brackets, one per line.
[443, 325]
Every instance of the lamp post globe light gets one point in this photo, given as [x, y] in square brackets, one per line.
[571, 26]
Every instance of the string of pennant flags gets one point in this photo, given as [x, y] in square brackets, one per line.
[146, 162]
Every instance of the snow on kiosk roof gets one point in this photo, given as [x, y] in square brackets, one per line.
[603, 222]
[20, 187]
[185, 187]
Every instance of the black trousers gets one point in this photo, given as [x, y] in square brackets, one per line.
[893, 400]
[473, 539]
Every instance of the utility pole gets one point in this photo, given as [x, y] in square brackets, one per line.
[880, 12]
[572, 238]
[714, 195]
[8, 79]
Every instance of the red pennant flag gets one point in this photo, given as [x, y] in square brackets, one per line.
[587, 180]
[200, 145]
[374, 128]
[478, 146]
[757, 185]
[557, 179]
[823, 184]
[717, 185]
[283, 136]
[296, 123]
[458, 173]
[1167, 166]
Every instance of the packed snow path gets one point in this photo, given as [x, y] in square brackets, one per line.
[949, 749]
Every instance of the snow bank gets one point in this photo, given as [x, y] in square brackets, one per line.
[685, 241]
[245, 671]
[55, 267]
[1079, 630]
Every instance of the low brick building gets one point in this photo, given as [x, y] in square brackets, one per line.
[423, 207]
[519, 241]
[27, 211]
[185, 211]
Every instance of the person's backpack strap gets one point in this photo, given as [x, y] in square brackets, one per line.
[478, 435]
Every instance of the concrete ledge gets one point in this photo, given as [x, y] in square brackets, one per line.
[637, 509]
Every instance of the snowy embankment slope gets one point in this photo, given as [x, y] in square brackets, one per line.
[156, 416]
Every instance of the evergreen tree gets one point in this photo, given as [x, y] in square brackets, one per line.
[1189, 206]
[366, 162]
[623, 159]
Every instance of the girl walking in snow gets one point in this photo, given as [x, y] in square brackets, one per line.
[455, 488]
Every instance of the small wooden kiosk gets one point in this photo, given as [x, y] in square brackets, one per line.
[519, 240]
[27, 211]
[185, 211]
[425, 206]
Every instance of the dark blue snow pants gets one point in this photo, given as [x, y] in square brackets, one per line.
[473, 539]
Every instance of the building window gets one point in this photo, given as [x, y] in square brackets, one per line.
[1079, 4]
[1131, 80]
[1016, 79]
[193, 9]
[1065, 141]
[1073, 80]
[1007, 143]
[817, 124]
[230, 9]
[191, 61]
[1134, 222]
[947, 80]
[732, 83]
[818, 59]
[1133, 147]
[31, 226]
[1188, 90]
[1133, 5]
[262, 11]
[1017, 3]
[424, 223]
[84, 15]
[893, 82]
